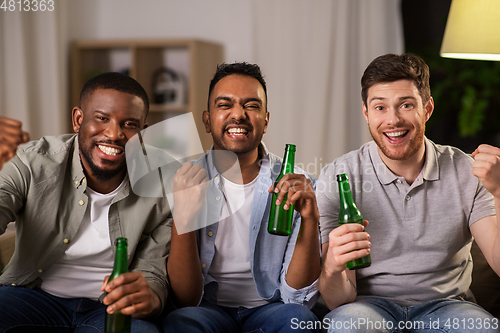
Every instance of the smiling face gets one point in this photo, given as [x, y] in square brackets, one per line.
[105, 122]
[396, 118]
[238, 117]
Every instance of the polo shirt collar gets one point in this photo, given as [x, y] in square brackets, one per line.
[431, 165]
[386, 176]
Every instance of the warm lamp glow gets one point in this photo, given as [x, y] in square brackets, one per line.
[472, 30]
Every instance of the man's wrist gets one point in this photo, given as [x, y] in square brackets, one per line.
[157, 308]
[310, 224]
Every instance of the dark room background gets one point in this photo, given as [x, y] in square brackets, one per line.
[466, 92]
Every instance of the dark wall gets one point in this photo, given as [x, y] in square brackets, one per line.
[466, 92]
[424, 22]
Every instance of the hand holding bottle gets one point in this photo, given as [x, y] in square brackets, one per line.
[298, 191]
[350, 214]
[346, 243]
[289, 190]
[130, 294]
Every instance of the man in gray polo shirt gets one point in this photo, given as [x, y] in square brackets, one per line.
[423, 204]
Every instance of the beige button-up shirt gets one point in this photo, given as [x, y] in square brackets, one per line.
[43, 189]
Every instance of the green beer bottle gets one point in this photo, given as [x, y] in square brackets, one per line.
[118, 322]
[349, 213]
[280, 220]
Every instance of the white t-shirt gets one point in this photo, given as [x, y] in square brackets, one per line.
[81, 270]
[231, 263]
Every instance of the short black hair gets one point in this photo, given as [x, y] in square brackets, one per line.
[115, 81]
[238, 68]
[394, 67]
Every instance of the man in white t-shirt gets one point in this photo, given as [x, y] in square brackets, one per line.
[231, 272]
[71, 199]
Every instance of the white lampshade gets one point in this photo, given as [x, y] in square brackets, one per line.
[472, 30]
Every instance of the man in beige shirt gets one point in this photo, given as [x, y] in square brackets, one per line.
[71, 198]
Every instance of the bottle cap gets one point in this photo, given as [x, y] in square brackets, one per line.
[121, 241]
[341, 177]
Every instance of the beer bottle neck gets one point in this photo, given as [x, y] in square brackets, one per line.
[121, 262]
[288, 162]
[346, 199]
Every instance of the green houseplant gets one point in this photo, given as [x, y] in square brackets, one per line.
[473, 88]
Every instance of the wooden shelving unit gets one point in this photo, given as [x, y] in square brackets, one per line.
[197, 60]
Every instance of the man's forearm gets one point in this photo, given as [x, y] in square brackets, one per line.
[183, 267]
[337, 288]
[495, 255]
[305, 265]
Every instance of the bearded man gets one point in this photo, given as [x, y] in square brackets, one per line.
[71, 198]
[424, 205]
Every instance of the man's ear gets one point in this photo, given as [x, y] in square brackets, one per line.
[267, 121]
[429, 108]
[77, 118]
[206, 120]
[365, 112]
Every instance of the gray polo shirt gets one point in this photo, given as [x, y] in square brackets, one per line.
[420, 232]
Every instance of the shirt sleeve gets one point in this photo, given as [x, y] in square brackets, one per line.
[484, 204]
[151, 255]
[14, 184]
[328, 200]
[308, 295]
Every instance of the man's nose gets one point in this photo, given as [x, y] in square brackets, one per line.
[114, 131]
[238, 112]
[394, 116]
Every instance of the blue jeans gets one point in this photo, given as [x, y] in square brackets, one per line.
[33, 310]
[272, 317]
[375, 314]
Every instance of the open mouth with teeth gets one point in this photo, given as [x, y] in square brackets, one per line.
[110, 151]
[237, 132]
[396, 136]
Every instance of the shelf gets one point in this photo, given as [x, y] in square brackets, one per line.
[194, 61]
[168, 108]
